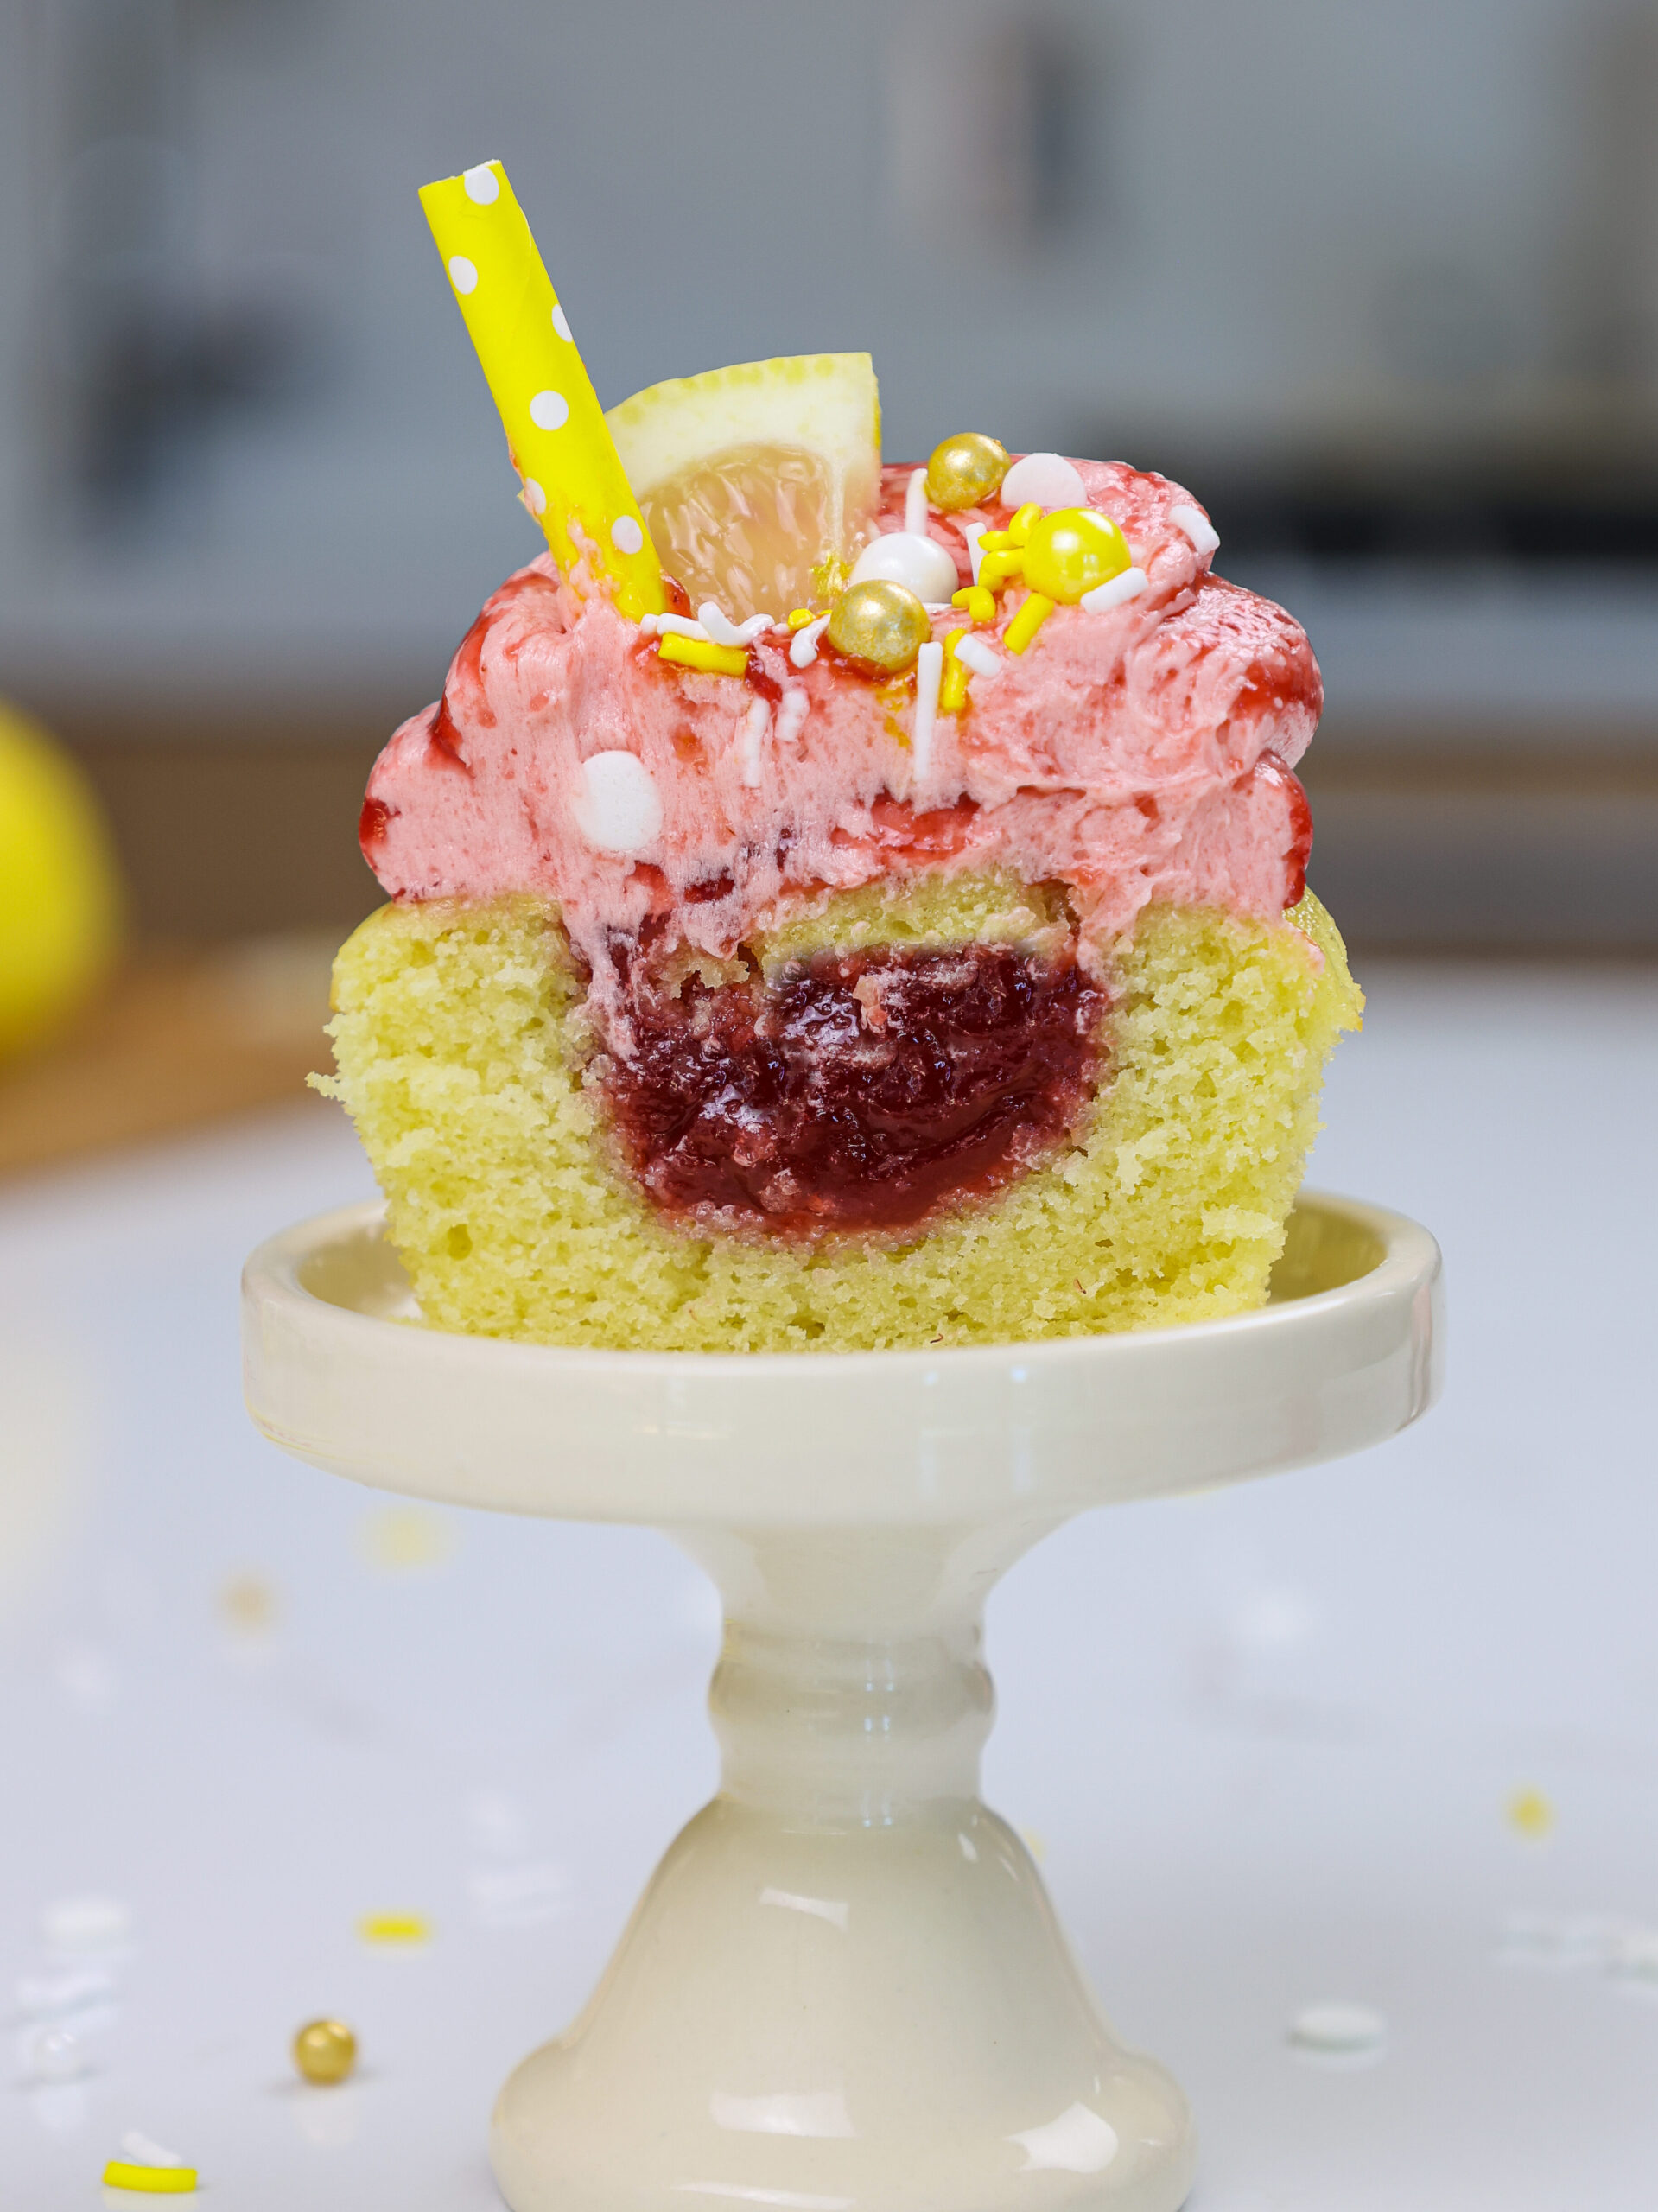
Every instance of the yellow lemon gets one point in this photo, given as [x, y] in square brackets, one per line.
[60, 895]
[1071, 550]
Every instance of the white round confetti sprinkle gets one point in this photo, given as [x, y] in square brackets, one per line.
[618, 810]
[1338, 2029]
[562, 325]
[534, 498]
[482, 184]
[626, 536]
[903, 556]
[1047, 477]
[550, 410]
[463, 274]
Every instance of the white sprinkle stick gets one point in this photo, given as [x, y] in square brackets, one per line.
[677, 626]
[973, 653]
[1116, 591]
[803, 652]
[973, 533]
[915, 503]
[718, 626]
[752, 732]
[1198, 527]
[791, 714]
[929, 671]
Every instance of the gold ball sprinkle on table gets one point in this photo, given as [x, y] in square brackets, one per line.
[964, 471]
[325, 2051]
[881, 626]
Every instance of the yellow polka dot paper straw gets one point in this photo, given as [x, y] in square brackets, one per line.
[555, 429]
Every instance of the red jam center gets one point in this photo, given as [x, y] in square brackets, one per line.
[867, 1091]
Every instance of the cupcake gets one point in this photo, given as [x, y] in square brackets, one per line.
[902, 938]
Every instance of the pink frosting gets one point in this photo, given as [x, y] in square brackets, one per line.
[1140, 754]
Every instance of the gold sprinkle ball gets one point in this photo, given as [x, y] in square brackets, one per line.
[1073, 550]
[325, 2051]
[964, 471]
[879, 625]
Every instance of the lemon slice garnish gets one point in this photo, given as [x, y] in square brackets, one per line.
[758, 483]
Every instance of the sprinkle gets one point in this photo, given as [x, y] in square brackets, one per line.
[626, 536]
[1195, 524]
[1531, 1814]
[1025, 521]
[1048, 478]
[483, 187]
[972, 532]
[676, 626]
[999, 541]
[696, 652]
[997, 568]
[1116, 591]
[534, 498]
[976, 654]
[562, 325]
[1025, 624]
[929, 674]
[751, 733]
[912, 559]
[551, 410]
[791, 714]
[803, 652]
[90, 1924]
[952, 692]
[727, 633]
[151, 2181]
[1339, 2030]
[978, 602]
[463, 274]
[799, 616]
[403, 1927]
[915, 503]
[619, 810]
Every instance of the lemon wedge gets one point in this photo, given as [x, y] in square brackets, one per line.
[758, 483]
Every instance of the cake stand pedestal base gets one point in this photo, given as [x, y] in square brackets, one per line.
[845, 1989]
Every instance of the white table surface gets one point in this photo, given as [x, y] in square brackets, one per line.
[1310, 1703]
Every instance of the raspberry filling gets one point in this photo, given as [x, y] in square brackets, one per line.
[862, 1091]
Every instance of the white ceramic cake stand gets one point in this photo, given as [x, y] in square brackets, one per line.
[845, 1986]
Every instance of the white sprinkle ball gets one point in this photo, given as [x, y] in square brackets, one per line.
[463, 274]
[483, 187]
[915, 503]
[534, 498]
[791, 714]
[625, 534]
[550, 410]
[910, 558]
[1116, 591]
[1338, 2029]
[562, 325]
[929, 673]
[617, 809]
[1047, 477]
[983, 658]
[1198, 527]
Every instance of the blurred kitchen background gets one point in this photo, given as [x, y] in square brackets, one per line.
[1379, 285]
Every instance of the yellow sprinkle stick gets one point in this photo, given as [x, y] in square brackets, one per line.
[700, 653]
[952, 687]
[799, 616]
[995, 568]
[152, 2181]
[978, 602]
[1025, 522]
[1025, 624]
[556, 429]
[394, 1928]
